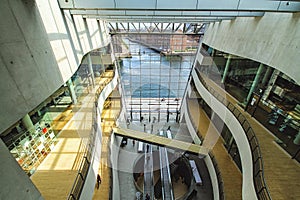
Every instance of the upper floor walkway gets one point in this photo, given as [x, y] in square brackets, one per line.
[281, 172]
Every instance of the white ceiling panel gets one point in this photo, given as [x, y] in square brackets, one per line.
[93, 3]
[177, 4]
[258, 5]
[135, 4]
[196, 13]
[166, 13]
[112, 12]
[136, 12]
[217, 4]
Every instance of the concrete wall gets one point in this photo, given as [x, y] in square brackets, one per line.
[273, 39]
[15, 184]
[41, 48]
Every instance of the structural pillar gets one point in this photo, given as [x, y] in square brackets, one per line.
[226, 68]
[297, 139]
[266, 76]
[210, 50]
[91, 71]
[271, 83]
[256, 80]
[72, 91]
[27, 123]
[102, 66]
[100, 32]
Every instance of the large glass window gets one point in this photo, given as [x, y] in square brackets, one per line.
[154, 73]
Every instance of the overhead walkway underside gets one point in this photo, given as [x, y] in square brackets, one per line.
[161, 141]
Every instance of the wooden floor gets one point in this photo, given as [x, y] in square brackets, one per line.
[282, 174]
[231, 175]
[108, 122]
[55, 176]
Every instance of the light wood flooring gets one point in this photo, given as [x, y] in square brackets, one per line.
[231, 175]
[55, 176]
[107, 124]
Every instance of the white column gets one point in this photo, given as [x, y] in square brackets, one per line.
[91, 71]
[72, 91]
[270, 84]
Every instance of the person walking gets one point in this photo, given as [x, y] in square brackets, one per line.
[147, 196]
[98, 181]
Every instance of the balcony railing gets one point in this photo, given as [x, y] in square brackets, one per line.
[213, 159]
[87, 156]
[258, 168]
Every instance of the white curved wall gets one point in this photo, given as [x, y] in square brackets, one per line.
[207, 159]
[89, 185]
[114, 157]
[40, 50]
[189, 124]
[213, 177]
[248, 191]
[273, 39]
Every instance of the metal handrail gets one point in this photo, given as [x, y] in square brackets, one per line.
[86, 159]
[258, 173]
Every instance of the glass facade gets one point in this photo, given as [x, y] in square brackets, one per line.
[153, 83]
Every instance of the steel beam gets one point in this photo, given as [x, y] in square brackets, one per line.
[162, 28]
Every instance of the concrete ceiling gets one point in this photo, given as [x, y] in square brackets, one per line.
[175, 10]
